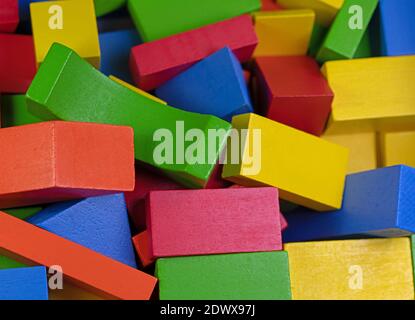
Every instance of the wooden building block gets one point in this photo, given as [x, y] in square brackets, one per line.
[58, 92]
[294, 92]
[325, 10]
[9, 15]
[371, 94]
[71, 23]
[284, 32]
[7, 263]
[413, 252]
[397, 27]
[215, 86]
[213, 221]
[376, 203]
[17, 63]
[307, 170]
[166, 17]
[55, 161]
[14, 111]
[142, 247]
[347, 31]
[23, 213]
[98, 223]
[156, 62]
[23, 284]
[103, 7]
[270, 5]
[243, 276]
[397, 148]
[375, 269]
[362, 147]
[81, 266]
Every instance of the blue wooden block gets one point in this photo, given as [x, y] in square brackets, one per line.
[24, 11]
[215, 85]
[23, 284]
[115, 52]
[397, 27]
[377, 203]
[98, 223]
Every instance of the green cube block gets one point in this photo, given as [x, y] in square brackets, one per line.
[244, 276]
[14, 111]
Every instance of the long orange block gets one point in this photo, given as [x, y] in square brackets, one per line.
[81, 266]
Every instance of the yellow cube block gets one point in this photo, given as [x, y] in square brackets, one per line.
[397, 148]
[374, 269]
[72, 23]
[325, 10]
[283, 33]
[372, 94]
[308, 170]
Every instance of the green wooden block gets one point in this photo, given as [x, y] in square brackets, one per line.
[67, 87]
[317, 38]
[365, 47]
[14, 111]
[342, 41]
[162, 18]
[103, 7]
[413, 254]
[243, 276]
[7, 263]
[23, 213]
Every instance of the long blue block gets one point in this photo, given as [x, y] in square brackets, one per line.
[215, 85]
[397, 27]
[23, 284]
[378, 203]
[98, 223]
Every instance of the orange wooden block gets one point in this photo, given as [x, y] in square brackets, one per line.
[81, 266]
[142, 246]
[56, 161]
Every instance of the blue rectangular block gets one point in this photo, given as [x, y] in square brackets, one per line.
[23, 284]
[376, 203]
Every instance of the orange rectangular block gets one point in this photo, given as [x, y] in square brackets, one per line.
[56, 161]
[142, 246]
[81, 266]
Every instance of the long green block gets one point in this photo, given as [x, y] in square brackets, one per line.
[23, 213]
[106, 6]
[14, 111]
[67, 87]
[342, 41]
[243, 276]
[162, 18]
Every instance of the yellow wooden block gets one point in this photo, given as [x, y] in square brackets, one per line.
[72, 23]
[308, 171]
[137, 90]
[397, 148]
[373, 94]
[362, 147]
[373, 269]
[283, 33]
[325, 10]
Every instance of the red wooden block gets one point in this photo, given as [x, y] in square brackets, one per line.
[154, 63]
[56, 161]
[9, 15]
[294, 92]
[270, 5]
[17, 63]
[83, 267]
[142, 246]
[201, 222]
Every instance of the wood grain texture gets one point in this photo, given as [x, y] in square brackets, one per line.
[9, 16]
[397, 148]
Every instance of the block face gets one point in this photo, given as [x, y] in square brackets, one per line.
[23, 284]
[213, 221]
[65, 22]
[283, 33]
[14, 111]
[9, 16]
[376, 269]
[142, 246]
[373, 93]
[213, 86]
[244, 276]
[397, 27]
[98, 223]
[156, 62]
[346, 33]
[396, 148]
[23, 213]
[103, 7]
[270, 5]
[7, 263]
[311, 173]
[294, 92]
[165, 18]
[376, 203]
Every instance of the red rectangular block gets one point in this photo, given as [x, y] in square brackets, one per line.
[294, 92]
[142, 246]
[83, 267]
[154, 63]
[56, 161]
[201, 222]
[17, 63]
[270, 5]
[9, 15]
